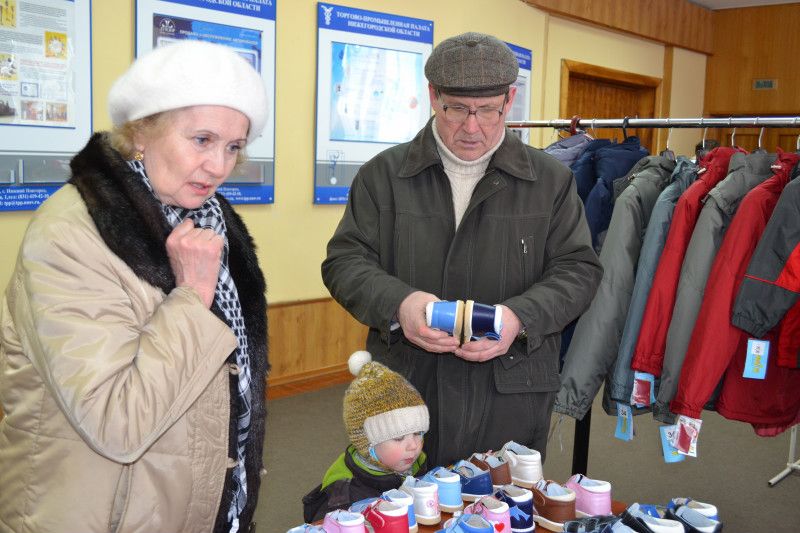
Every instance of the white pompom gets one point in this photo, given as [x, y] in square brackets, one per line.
[357, 361]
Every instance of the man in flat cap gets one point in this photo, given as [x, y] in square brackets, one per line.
[466, 211]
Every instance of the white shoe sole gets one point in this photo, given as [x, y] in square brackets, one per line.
[428, 520]
[523, 482]
[473, 497]
[547, 524]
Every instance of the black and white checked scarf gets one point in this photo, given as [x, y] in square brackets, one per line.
[209, 215]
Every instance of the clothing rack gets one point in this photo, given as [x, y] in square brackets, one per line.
[580, 449]
[627, 122]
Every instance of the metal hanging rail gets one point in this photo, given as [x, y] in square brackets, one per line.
[580, 452]
[732, 122]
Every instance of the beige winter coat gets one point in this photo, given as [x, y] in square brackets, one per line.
[116, 394]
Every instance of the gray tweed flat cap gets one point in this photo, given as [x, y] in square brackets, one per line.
[472, 64]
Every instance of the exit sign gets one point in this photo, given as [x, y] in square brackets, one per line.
[765, 84]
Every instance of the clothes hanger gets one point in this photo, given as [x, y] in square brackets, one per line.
[797, 143]
[625, 128]
[760, 149]
[666, 152]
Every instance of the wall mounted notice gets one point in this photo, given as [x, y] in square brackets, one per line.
[521, 109]
[45, 96]
[248, 27]
[371, 91]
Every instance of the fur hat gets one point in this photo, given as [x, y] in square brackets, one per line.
[186, 74]
[380, 405]
[472, 64]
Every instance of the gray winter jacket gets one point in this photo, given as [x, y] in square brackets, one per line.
[595, 343]
[745, 171]
[620, 381]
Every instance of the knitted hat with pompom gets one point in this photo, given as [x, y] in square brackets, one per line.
[380, 404]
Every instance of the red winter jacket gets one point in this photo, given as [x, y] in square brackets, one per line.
[649, 353]
[717, 347]
[771, 286]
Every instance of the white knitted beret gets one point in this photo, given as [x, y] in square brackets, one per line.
[186, 74]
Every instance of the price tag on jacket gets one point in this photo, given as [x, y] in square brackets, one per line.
[755, 364]
[643, 394]
[671, 454]
[624, 429]
[685, 437]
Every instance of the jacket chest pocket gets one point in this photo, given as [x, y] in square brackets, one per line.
[510, 251]
[420, 249]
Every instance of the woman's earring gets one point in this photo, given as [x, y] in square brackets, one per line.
[138, 156]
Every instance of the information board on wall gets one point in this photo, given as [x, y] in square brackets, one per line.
[371, 91]
[45, 96]
[521, 109]
[248, 27]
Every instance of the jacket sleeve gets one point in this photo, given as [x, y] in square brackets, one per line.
[120, 378]
[572, 270]
[772, 284]
[352, 270]
[714, 340]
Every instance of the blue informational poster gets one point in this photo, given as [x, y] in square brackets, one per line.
[371, 91]
[248, 27]
[45, 96]
[521, 108]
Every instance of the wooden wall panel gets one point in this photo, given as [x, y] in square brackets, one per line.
[593, 91]
[311, 341]
[674, 22]
[749, 43]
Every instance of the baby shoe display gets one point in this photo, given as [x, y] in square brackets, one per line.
[520, 507]
[386, 517]
[426, 500]
[642, 522]
[341, 521]
[403, 498]
[467, 523]
[591, 524]
[525, 463]
[494, 510]
[449, 488]
[706, 509]
[498, 468]
[475, 482]
[592, 496]
[693, 521]
[553, 504]
[306, 528]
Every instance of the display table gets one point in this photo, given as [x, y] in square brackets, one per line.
[616, 508]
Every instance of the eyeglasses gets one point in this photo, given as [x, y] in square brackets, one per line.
[485, 115]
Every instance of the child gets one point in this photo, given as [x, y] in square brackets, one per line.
[385, 419]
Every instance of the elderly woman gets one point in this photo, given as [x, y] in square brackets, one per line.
[133, 341]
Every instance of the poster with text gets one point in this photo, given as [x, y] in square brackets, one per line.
[247, 27]
[371, 91]
[521, 109]
[45, 96]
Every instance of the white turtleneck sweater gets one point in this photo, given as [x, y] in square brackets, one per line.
[463, 175]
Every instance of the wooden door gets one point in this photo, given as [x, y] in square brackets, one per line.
[596, 92]
[747, 138]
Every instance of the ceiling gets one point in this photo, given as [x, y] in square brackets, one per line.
[728, 4]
